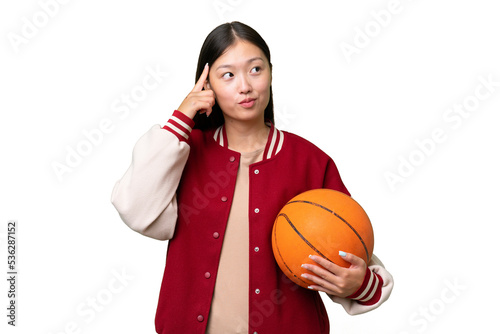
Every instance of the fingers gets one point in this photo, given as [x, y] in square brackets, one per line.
[206, 103]
[323, 280]
[199, 100]
[198, 87]
[330, 266]
[333, 279]
[206, 99]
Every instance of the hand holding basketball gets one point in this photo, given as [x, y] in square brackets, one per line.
[324, 223]
[333, 279]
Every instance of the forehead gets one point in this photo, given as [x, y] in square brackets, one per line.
[240, 53]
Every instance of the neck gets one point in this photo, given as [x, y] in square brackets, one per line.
[246, 136]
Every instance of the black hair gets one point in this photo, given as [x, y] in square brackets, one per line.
[216, 43]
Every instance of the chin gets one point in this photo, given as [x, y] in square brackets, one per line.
[245, 116]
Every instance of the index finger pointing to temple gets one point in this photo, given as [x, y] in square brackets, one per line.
[201, 81]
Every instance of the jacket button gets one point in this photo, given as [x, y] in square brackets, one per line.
[207, 275]
[257, 291]
[199, 318]
[223, 198]
[215, 235]
[256, 249]
[256, 171]
[256, 210]
[232, 158]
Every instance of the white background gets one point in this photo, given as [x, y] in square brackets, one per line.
[436, 227]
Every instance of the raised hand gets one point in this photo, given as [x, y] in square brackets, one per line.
[199, 99]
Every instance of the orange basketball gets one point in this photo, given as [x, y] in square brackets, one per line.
[320, 222]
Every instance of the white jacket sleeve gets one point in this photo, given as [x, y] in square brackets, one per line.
[380, 279]
[145, 197]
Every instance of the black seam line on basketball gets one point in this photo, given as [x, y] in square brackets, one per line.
[303, 238]
[339, 217]
[283, 260]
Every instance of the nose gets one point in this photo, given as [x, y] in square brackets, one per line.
[245, 86]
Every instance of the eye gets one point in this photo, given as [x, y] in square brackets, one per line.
[256, 69]
[227, 75]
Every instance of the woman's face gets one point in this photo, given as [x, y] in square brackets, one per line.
[241, 81]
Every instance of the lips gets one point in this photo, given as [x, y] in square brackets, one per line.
[247, 103]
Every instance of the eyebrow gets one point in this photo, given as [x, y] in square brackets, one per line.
[248, 62]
